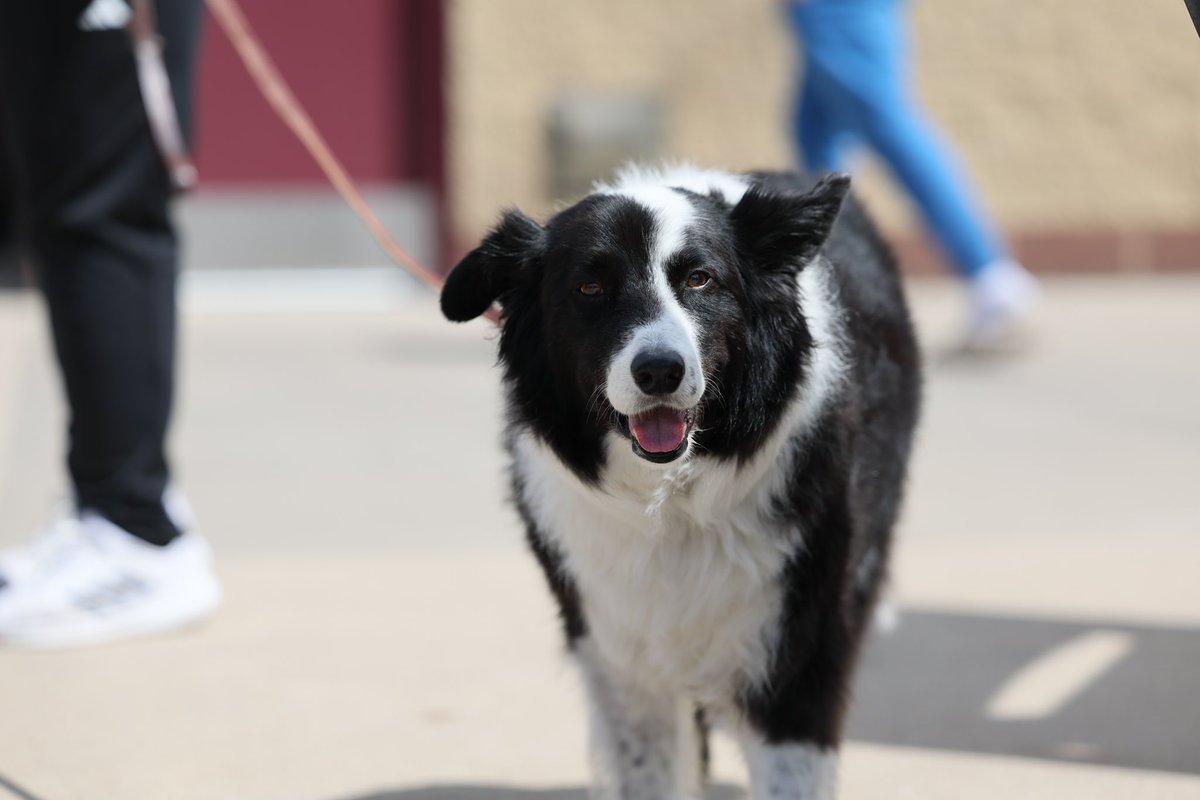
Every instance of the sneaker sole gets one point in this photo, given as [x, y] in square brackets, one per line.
[203, 603]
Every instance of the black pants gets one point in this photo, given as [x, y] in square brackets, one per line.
[94, 199]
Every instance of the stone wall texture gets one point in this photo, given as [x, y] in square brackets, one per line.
[1072, 115]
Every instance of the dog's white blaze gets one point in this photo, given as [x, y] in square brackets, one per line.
[677, 567]
[673, 213]
[633, 177]
[673, 329]
[789, 771]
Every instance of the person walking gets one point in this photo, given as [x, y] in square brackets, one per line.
[856, 91]
[94, 198]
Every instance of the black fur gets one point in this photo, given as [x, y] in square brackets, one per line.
[848, 488]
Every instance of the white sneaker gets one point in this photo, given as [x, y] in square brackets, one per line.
[88, 581]
[1003, 298]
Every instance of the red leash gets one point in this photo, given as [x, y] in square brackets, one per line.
[164, 122]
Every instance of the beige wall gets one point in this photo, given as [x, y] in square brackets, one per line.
[1072, 114]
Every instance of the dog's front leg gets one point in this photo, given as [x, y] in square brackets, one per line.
[789, 770]
[643, 745]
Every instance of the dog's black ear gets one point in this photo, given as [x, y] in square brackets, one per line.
[785, 231]
[491, 269]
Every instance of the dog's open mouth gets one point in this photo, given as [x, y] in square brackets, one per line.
[660, 434]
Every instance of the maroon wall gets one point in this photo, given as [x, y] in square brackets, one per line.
[369, 72]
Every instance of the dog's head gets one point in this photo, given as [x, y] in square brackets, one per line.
[641, 311]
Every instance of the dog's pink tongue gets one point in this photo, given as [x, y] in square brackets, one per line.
[660, 430]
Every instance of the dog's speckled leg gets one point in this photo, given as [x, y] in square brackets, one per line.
[636, 738]
[789, 770]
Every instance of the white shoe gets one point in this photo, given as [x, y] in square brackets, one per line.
[88, 582]
[1003, 298]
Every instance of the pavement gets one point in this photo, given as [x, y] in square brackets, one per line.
[385, 636]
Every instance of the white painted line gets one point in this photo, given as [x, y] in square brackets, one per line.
[1053, 679]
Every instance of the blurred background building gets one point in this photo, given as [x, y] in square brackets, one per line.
[1080, 119]
[370, 73]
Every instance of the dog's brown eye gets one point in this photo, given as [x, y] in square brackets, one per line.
[591, 288]
[698, 279]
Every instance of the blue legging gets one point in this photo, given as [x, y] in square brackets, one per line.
[855, 91]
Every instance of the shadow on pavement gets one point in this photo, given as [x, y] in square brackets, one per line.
[928, 685]
[15, 790]
[474, 792]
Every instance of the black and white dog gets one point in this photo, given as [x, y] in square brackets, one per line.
[712, 386]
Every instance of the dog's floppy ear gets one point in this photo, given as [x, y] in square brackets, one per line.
[785, 231]
[492, 268]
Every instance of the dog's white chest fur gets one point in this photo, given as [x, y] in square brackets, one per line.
[677, 596]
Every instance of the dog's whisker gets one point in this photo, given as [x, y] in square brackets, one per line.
[595, 404]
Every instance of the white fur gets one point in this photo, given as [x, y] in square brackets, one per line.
[788, 771]
[644, 745]
[633, 177]
[673, 213]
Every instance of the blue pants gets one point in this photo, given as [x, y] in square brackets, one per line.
[855, 91]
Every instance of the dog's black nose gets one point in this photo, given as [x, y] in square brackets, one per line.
[658, 371]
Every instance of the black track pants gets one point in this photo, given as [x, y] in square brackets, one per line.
[94, 199]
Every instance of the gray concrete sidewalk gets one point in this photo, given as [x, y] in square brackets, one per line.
[385, 635]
